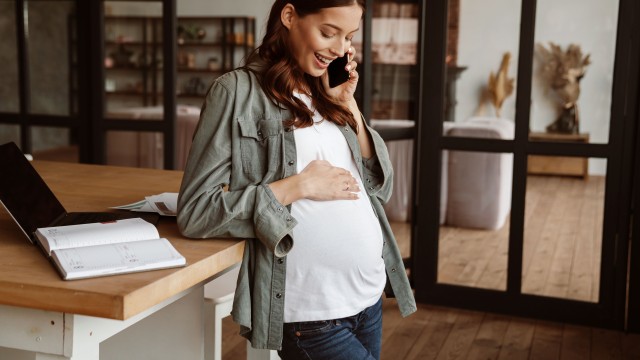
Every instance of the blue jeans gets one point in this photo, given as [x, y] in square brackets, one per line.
[356, 337]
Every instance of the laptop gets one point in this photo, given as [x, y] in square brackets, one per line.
[32, 204]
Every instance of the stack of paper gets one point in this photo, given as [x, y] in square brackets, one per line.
[164, 204]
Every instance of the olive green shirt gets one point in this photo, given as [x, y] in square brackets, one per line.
[240, 146]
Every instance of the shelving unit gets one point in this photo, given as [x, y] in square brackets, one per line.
[207, 47]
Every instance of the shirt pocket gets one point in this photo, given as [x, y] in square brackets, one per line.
[260, 146]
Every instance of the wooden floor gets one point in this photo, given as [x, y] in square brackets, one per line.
[442, 333]
[562, 243]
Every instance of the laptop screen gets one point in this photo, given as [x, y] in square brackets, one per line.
[23, 192]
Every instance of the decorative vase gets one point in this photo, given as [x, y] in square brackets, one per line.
[567, 122]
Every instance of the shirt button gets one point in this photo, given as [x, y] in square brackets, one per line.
[278, 295]
[287, 129]
[280, 261]
[393, 270]
[290, 163]
[260, 133]
[370, 187]
[368, 180]
[288, 219]
[280, 209]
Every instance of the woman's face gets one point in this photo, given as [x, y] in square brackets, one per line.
[317, 39]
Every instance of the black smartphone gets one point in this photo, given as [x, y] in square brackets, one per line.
[337, 73]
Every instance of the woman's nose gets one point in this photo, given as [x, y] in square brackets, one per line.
[339, 48]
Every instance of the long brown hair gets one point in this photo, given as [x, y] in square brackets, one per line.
[279, 74]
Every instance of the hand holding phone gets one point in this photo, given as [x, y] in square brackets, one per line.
[337, 74]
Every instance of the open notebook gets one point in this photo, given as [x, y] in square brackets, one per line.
[83, 244]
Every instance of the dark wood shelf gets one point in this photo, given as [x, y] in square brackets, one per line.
[200, 70]
[139, 35]
[198, 44]
[127, 68]
[124, 93]
[124, 43]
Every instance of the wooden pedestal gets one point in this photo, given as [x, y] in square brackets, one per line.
[559, 165]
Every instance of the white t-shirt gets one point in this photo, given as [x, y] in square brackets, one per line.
[335, 268]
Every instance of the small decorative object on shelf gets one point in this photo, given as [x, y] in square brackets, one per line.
[191, 60]
[214, 64]
[122, 56]
[109, 85]
[186, 60]
[190, 33]
[564, 70]
[195, 86]
[108, 62]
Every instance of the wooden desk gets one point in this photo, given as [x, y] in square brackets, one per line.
[559, 165]
[59, 319]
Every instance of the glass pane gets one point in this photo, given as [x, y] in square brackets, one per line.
[563, 229]
[53, 144]
[573, 67]
[482, 54]
[399, 206]
[144, 149]
[9, 133]
[8, 58]
[475, 206]
[49, 43]
[394, 55]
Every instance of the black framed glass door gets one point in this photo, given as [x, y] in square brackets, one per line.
[38, 44]
[387, 54]
[529, 166]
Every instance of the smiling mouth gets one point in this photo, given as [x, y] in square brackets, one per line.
[323, 59]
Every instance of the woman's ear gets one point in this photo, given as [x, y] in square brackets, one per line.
[287, 15]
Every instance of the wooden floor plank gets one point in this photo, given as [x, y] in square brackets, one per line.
[434, 335]
[547, 341]
[576, 343]
[403, 338]
[488, 341]
[234, 346]
[517, 340]
[461, 336]
[630, 347]
[606, 344]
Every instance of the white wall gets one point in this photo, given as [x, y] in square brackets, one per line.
[491, 27]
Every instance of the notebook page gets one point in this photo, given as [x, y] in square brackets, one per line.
[119, 231]
[109, 259]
